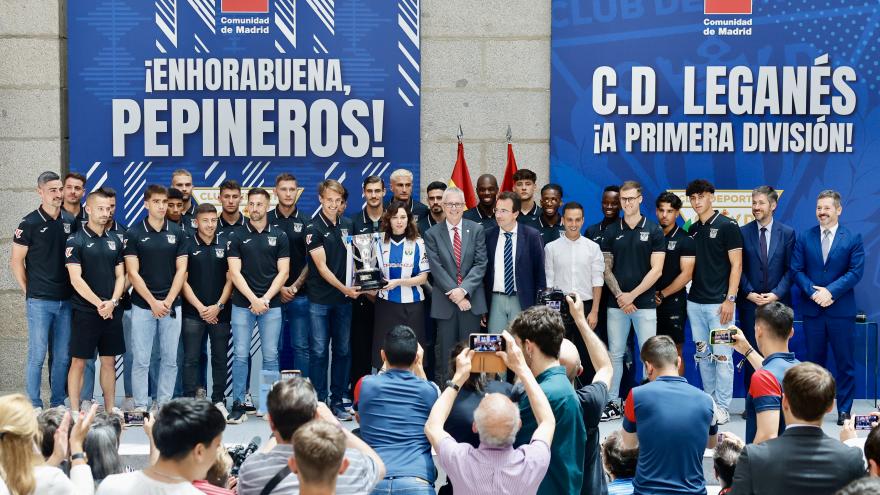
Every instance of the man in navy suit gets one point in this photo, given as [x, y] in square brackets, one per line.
[766, 277]
[827, 263]
[515, 268]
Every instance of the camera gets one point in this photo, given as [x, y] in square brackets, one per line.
[554, 299]
[241, 452]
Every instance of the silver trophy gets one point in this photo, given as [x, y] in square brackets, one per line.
[367, 274]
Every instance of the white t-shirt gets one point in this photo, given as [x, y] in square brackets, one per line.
[137, 483]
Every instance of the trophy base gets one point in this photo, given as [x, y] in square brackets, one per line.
[369, 279]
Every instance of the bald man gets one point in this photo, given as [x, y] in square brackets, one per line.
[592, 396]
[494, 467]
[487, 194]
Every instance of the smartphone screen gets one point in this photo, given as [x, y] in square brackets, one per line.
[133, 418]
[863, 422]
[288, 374]
[487, 342]
[722, 336]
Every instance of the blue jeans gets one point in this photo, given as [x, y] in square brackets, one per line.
[296, 315]
[405, 485]
[330, 322]
[645, 323]
[45, 317]
[144, 328]
[243, 322]
[715, 362]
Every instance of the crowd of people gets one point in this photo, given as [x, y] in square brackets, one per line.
[187, 279]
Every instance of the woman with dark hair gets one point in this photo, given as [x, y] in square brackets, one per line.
[102, 447]
[405, 267]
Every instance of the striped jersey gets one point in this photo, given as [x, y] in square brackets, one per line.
[403, 259]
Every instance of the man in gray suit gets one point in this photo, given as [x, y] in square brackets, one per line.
[456, 252]
[804, 459]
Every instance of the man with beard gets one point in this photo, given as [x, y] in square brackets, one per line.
[95, 264]
[766, 258]
[678, 268]
[549, 222]
[231, 218]
[487, 194]
[435, 203]
[74, 188]
[401, 190]
[182, 180]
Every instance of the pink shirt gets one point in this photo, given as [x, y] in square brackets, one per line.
[494, 470]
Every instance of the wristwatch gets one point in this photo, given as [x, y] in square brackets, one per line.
[115, 302]
[732, 298]
[79, 455]
[450, 383]
[221, 306]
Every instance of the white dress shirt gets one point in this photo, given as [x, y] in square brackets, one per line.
[498, 282]
[574, 266]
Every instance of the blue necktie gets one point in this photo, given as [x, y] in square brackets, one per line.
[762, 254]
[509, 287]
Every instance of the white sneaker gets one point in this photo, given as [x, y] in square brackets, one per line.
[85, 405]
[128, 404]
[722, 417]
[222, 408]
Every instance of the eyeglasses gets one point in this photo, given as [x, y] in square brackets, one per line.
[629, 200]
[454, 206]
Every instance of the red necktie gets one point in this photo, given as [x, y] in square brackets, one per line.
[456, 251]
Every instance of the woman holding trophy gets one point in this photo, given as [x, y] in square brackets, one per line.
[405, 267]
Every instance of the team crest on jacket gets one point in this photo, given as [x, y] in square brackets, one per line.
[671, 245]
[297, 227]
[66, 228]
[271, 240]
[111, 245]
[171, 238]
[193, 223]
[68, 252]
[643, 236]
[218, 252]
[713, 233]
[344, 232]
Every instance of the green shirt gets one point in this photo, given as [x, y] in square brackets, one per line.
[566, 471]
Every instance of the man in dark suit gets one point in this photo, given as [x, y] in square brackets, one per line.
[456, 252]
[515, 268]
[766, 277]
[803, 459]
[827, 263]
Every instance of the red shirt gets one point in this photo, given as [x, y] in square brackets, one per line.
[210, 489]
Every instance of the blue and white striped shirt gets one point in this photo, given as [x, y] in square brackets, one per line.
[404, 259]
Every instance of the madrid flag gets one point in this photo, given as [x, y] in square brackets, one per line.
[461, 178]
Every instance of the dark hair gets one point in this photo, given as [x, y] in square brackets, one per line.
[229, 184]
[810, 390]
[184, 423]
[659, 351]
[699, 186]
[552, 186]
[45, 177]
[436, 185]
[724, 458]
[154, 189]
[74, 175]
[373, 179]
[259, 191]
[668, 197]
[175, 193]
[872, 446]
[205, 208]
[99, 193]
[612, 188]
[572, 205]
[525, 174]
[102, 446]
[541, 325]
[866, 485]
[776, 317]
[400, 346]
[620, 461]
[411, 232]
[291, 403]
[768, 191]
[48, 421]
[108, 191]
[283, 177]
[517, 203]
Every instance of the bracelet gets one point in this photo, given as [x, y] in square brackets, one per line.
[751, 350]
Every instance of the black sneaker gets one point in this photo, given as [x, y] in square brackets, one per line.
[611, 412]
[238, 414]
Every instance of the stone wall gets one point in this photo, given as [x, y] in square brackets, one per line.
[485, 64]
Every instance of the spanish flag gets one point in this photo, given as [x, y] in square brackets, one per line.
[507, 183]
[461, 178]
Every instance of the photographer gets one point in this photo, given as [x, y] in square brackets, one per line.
[494, 467]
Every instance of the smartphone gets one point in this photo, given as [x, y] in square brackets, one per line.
[722, 336]
[134, 418]
[863, 422]
[288, 374]
[485, 345]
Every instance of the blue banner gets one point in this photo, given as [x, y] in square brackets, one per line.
[244, 90]
[739, 92]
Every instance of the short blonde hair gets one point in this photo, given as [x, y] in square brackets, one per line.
[319, 448]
